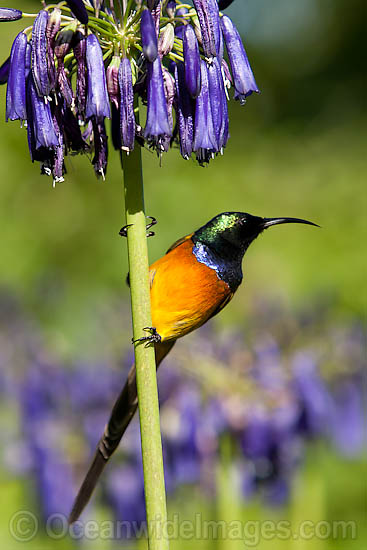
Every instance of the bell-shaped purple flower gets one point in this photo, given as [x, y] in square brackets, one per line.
[40, 118]
[79, 10]
[218, 37]
[9, 14]
[207, 16]
[185, 113]
[244, 81]
[218, 102]
[192, 61]
[97, 96]
[15, 94]
[148, 36]
[39, 55]
[205, 143]
[127, 116]
[157, 124]
[4, 71]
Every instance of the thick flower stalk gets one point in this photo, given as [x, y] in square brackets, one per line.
[92, 55]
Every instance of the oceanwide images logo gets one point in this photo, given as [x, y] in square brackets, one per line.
[24, 527]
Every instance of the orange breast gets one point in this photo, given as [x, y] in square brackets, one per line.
[184, 293]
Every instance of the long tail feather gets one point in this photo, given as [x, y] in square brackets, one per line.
[121, 416]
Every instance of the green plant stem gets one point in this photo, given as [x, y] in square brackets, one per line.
[155, 497]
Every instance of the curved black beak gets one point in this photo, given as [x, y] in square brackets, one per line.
[268, 222]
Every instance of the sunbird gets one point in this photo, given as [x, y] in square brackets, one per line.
[191, 283]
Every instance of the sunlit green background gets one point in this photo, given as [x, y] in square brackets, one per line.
[298, 149]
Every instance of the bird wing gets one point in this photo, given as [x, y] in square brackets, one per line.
[179, 241]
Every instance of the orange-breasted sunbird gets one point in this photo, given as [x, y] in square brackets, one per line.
[191, 283]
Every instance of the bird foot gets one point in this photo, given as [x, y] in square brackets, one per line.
[153, 338]
[123, 230]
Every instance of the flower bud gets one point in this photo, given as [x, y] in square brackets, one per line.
[192, 61]
[112, 78]
[39, 55]
[97, 96]
[244, 81]
[148, 36]
[79, 10]
[16, 90]
[127, 116]
[9, 14]
[166, 40]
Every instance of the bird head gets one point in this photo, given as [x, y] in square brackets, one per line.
[231, 233]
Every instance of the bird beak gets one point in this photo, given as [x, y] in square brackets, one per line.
[268, 222]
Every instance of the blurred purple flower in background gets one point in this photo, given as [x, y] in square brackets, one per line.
[267, 401]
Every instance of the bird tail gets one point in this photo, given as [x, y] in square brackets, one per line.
[121, 416]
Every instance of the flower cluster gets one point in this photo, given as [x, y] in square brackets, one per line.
[84, 61]
[265, 399]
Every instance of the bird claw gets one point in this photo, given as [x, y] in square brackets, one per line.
[154, 337]
[123, 230]
[153, 222]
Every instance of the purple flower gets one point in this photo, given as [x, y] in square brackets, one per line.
[4, 71]
[9, 14]
[185, 113]
[157, 123]
[62, 48]
[148, 36]
[53, 27]
[192, 61]
[99, 160]
[218, 101]
[179, 28]
[244, 81]
[204, 142]
[347, 426]
[80, 47]
[79, 10]
[39, 55]
[15, 94]
[127, 116]
[97, 96]
[39, 113]
[207, 16]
